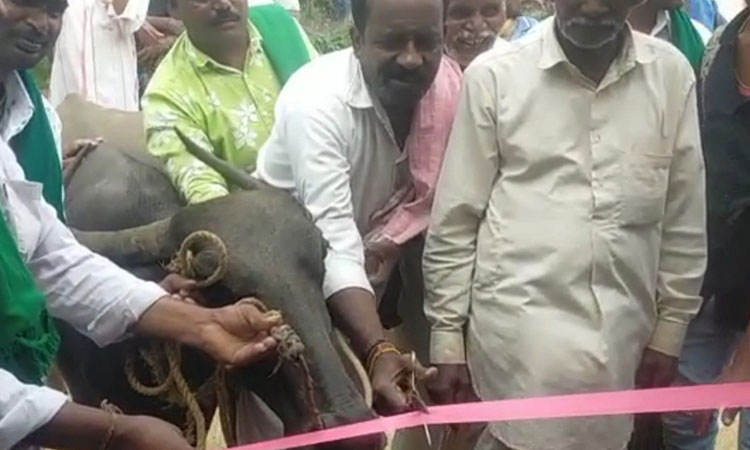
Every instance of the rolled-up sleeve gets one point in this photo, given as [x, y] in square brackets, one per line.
[450, 249]
[24, 409]
[682, 261]
[320, 168]
[84, 289]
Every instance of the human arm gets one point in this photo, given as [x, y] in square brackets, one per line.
[682, 260]
[450, 248]
[316, 144]
[195, 181]
[166, 25]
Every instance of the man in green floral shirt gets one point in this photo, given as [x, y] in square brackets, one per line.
[219, 84]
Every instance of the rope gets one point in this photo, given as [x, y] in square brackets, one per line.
[184, 261]
[171, 384]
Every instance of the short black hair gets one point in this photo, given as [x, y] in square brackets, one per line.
[359, 14]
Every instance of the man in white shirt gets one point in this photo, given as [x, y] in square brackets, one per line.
[27, 33]
[95, 56]
[105, 303]
[667, 20]
[342, 123]
[568, 243]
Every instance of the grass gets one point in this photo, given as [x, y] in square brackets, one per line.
[327, 33]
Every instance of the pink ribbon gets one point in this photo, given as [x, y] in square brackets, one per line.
[689, 398]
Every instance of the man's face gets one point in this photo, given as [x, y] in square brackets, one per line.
[592, 24]
[400, 49]
[471, 27]
[212, 20]
[28, 31]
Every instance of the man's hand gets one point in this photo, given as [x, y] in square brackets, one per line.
[656, 370]
[183, 289]
[234, 335]
[452, 385]
[79, 146]
[238, 334]
[81, 427]
[148, 35]
[73, 154]
[146, 433]
[381, 256]
[392, 382]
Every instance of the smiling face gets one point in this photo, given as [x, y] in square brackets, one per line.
[592, 24]
[28, 31]
[400, 49]
[471, 27]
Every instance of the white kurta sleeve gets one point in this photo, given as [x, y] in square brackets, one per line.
[682, 261]
[317, 151]
[24, 409]
[86, 290]
[469, 171]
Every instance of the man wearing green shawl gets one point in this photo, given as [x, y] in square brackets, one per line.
[220, 83]
[45, 273]
[667, 20]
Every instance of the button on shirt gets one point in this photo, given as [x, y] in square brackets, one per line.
[88, 291]
[334, 148]
[568, 231]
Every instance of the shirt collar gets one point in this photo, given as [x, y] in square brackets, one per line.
[18, 108]
[204, 62]
[661, 25]
[634, 50]
[358, 96]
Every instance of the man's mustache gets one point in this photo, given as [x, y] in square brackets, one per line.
[592, 23]
[225, 17]
[404, 76]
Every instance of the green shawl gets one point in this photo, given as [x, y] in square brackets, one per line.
[685, 37]
[282, 39]
[28, 338]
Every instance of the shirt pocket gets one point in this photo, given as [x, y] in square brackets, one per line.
[644, 180]
[23, 210]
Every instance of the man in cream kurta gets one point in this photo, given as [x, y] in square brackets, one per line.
[568, 231]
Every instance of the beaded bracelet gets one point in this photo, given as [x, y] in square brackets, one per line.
[378, 349]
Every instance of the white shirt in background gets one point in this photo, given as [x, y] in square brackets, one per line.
[96, 56]
[568, 231]
[84, 289]
[662, 30]
[333, 148]
[18, 110]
